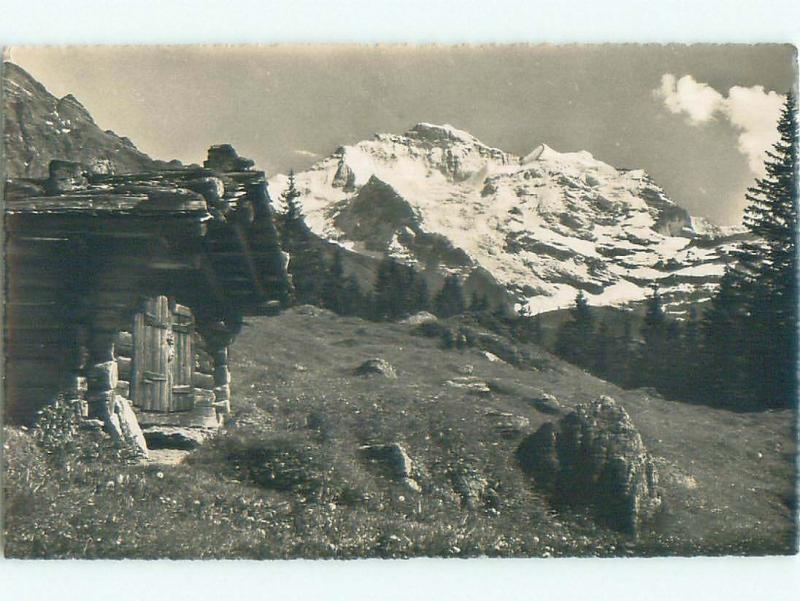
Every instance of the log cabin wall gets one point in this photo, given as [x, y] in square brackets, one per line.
[192, 250]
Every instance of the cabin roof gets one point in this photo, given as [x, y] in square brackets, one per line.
[213, 223]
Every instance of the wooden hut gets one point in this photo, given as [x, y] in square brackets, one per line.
[128, 289]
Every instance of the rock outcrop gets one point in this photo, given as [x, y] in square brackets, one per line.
[547, 403]
[394, 461]
[595, 457]
[39, 128]
[376, 367]
[124, 428]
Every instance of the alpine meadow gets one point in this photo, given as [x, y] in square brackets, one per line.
[266, 331]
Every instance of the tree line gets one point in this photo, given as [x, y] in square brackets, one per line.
[398, 290]
[742, 352]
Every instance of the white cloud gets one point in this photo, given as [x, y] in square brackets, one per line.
[698, 100]
[753, 111]
[755, 114]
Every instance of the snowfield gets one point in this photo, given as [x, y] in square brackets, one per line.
[544, 226]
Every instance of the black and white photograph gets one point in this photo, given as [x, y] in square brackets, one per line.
[341, 301]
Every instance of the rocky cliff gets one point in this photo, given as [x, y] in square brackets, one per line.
[38, 128]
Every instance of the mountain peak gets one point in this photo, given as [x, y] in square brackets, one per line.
[40, 127]
[431, 132]
[544, 226]
[543, 152]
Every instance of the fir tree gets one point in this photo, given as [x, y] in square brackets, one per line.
[385, 289]
[771, 216]
[332, 294]
[450, 299]
[655, 352]
[420, 297]
[750, 338]
[306, 263]
[575, 337]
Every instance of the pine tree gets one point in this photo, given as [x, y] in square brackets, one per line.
[771, 216]
[723, 337]
[655, 352]
[384, 290]
[535, 330]
[750, 338]
[306, 263]
[603, 343]
[450, 299]
[420, 297]
[332, 294]
[689, 358]
[575, 337]
[353, 301]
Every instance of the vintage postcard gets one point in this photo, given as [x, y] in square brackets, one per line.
[323, 301]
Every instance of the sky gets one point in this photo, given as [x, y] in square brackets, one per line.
[697, 118]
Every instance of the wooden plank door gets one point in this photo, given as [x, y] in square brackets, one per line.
[153, 352]
[182, 365]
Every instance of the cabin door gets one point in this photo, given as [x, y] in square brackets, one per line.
[183, 363]
[163, 358]
[153, 352]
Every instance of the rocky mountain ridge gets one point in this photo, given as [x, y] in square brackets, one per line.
[38, 128]
[540, 227]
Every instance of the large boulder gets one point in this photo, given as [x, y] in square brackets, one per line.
[595, 457]
[121, 423]
[376, 367]
[393, 460]
[419, 318]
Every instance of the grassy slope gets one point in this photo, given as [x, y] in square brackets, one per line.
[728, 478]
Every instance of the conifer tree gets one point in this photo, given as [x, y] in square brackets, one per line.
[771, 216]
[450, 299]
[306, 263]
[575, 337]
[384, 290]
[420, 296]
[655, 352]
[750, 337]
[334, 285]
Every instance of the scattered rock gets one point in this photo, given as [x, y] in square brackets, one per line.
[594, 456]
[506, 424]
[394, 461]
[92, 425]
[547, 403]
[471, 384]
[475, 490]
[376, 367]
[175, 437]
[420, 318]
[492, 357]
[311, 310]
[122, 425]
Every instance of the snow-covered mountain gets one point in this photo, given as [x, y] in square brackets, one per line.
[540, 227]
